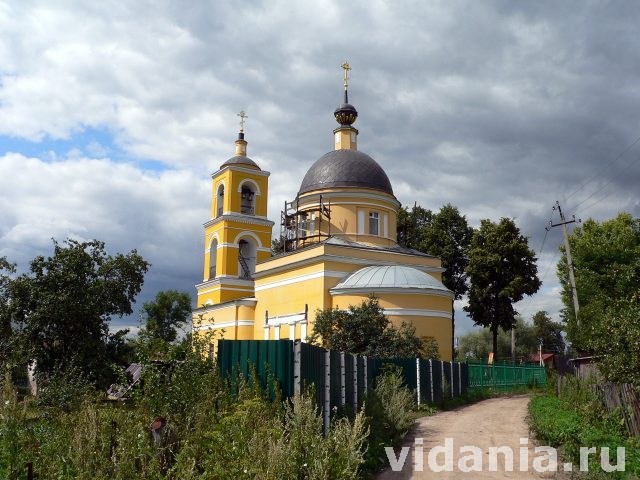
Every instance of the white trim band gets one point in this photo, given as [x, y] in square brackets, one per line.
[233, 323]
[417, 312]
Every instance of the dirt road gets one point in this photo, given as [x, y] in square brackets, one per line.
[497, 422]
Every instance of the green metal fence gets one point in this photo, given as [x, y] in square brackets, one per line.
[505, 376]
[341, 379]
[267, 359]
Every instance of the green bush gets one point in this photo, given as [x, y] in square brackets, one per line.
[66, 389]
[558, 423]
[389, 411]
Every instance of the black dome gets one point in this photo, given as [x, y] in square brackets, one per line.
[345, 168]
[345, 114]
[240, 160]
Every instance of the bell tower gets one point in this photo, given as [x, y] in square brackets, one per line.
[238, 234]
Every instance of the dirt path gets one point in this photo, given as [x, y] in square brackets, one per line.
[495, 422]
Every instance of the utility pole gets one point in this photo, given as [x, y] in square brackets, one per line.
[540, 354]
[572, 278]
[513, 345]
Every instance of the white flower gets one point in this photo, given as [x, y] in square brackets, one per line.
[6, 402]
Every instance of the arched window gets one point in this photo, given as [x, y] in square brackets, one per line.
[247, 197]
[212, 259]
[220, 200]
[247, 250]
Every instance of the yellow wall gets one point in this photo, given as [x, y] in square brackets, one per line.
[232, 177]
[223, 233]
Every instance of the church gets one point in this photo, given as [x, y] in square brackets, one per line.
[339, 247]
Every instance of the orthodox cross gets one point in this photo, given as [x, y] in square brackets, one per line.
[242, 116]
[345, 66]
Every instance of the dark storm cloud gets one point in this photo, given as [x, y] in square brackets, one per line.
[500, 107]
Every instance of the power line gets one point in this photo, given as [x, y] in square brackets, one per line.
[546, 232]
[606, 184]
[602, 170]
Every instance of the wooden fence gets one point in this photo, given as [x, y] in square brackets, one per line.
[625, 397]
[622, 397]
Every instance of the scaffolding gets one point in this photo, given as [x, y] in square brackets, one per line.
[299, 229]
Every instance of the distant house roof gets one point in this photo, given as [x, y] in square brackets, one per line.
[545, 356]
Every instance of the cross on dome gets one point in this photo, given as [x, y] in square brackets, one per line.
[242, 116]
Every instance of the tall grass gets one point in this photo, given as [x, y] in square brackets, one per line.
[210, 433]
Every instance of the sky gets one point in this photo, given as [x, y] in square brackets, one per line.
[113, 115]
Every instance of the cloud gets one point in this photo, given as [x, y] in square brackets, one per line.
[502, 107]
[159, 214]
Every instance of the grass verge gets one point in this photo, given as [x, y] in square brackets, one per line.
[561, 424]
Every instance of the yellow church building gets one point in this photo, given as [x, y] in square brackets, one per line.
[340, 247]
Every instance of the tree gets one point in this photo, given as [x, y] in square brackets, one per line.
[277, 246]
[411, 225]
[7, 339]
[478, 344]
[502, 270]
[165, 314]
[365, 330]
[607, 267]
[445, 234]
[548, 333]
[65, 302]
[607, 270]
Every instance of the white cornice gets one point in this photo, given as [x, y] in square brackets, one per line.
[399, 290]
[226, 280]
[301, 278]
[233, 323]
[240, 218]
[236, 168]
[246, 302]
[417, 312]
[341, 259]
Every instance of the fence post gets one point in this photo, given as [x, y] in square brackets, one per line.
[459, 379]
[366, 373]
[451, 370]
[327, 390]
[343, 390]
[297, 367]
[442, 380]
[418, 379]
[431, 379]
[355, 383]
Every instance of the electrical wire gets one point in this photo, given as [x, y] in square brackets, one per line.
[598, 200]
[603, 186]
[546, 232]
[602, 170]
